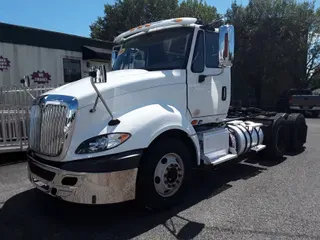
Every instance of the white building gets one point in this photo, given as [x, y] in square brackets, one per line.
[47, 57]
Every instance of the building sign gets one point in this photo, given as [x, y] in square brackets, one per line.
[41, 77]
[4, 63]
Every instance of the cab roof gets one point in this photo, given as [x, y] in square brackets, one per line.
[174, 22]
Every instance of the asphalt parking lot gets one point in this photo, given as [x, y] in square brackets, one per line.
[253, 199]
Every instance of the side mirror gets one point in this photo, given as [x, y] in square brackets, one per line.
[98, 74]
[115, 51]
[25, 81]
[226, 46]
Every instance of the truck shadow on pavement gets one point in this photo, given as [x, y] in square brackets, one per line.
[34, 215]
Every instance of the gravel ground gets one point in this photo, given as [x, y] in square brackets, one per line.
[253, 199]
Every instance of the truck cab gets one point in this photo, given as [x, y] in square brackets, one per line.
[137, 131]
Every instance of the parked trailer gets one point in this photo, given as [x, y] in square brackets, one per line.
[15, 116]
[138, 131]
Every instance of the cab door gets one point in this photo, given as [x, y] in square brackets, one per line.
[208, 85]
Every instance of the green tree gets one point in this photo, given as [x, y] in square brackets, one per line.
[198, 9]
[271, 45]
[125, 14]
[313, 62]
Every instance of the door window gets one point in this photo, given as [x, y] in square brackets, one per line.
[212, 50]
[71, 70]
[198, 55]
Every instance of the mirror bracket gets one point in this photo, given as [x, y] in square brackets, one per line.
[101, 74]
[25, 83]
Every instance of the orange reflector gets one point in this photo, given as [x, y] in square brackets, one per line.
[178, 20]
[124, 137]
[140, 27]
[132, 29]
[147, 25]
[194, 122]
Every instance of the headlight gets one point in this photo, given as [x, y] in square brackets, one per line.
[102, 143]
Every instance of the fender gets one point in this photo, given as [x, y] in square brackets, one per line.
[144, 124]
[148, 122]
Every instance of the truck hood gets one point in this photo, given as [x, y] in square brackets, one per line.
[118, 83]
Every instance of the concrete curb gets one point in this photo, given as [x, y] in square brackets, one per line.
[12, 158]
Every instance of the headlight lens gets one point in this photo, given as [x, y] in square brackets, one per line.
[102, 143]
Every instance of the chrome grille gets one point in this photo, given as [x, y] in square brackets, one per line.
[47, 129]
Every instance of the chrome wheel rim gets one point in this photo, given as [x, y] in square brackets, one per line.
[168, 175]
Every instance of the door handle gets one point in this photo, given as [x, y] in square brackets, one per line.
[224, 93]
[202, 78]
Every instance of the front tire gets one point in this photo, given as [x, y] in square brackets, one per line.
[164, 174]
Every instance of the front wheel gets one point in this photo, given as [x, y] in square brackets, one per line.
[164, 174]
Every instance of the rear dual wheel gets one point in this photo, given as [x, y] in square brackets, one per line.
[297, 132]
[287, 133]
[276, 138]
[164, 174]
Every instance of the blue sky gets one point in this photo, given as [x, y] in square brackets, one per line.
[68, 16]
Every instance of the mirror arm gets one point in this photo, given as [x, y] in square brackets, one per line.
[203, 77]
[29, 94]
[220, 73]
[24, 89]
[22, 81]
[101, 98]
[94, 105]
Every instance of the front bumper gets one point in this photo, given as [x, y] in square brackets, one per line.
[103, 180]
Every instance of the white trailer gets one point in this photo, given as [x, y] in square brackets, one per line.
[138, 131]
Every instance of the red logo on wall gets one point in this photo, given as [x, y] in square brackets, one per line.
[41, 77]
[4, 63]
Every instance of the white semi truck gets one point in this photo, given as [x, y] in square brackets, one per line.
[138, 131]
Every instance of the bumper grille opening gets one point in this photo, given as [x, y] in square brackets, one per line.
[43, 173]
[69, 181]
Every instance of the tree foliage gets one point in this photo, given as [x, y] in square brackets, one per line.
[198, 9]
[125, 14]
[272, 45]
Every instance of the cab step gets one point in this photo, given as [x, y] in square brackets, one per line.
[258, 148]
[211, 159]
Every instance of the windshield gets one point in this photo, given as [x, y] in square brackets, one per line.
[161, 50]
